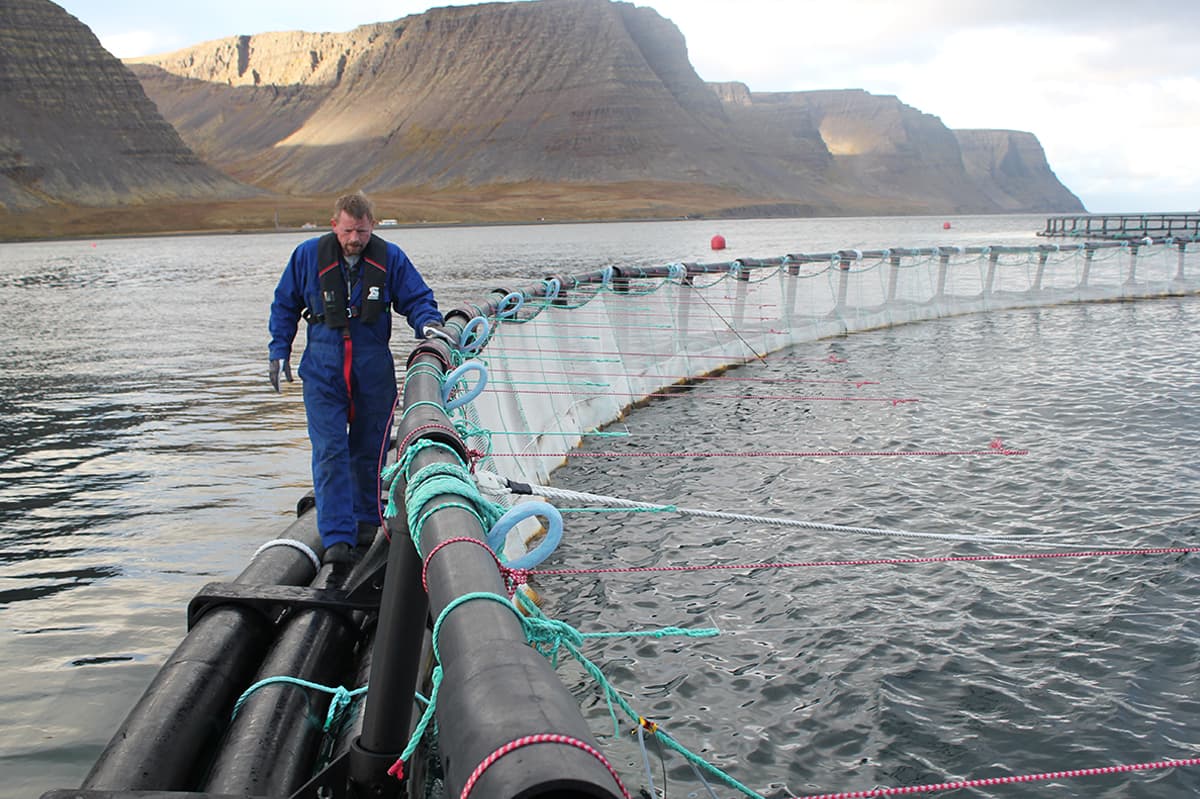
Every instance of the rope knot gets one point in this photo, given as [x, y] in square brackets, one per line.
[514, 578]
[474, 456]
[547, 636]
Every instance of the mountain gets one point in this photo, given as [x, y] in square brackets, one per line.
[567, 92]
[1010, 168]
[78, 128]
[557, 90]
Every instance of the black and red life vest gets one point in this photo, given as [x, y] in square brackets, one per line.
[337, 311]
[335, 295]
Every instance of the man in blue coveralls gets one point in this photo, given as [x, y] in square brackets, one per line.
[344, 284]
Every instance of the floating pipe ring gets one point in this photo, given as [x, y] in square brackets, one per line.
[472, 341]
[515, 297]
[451, 382]
[499, 532]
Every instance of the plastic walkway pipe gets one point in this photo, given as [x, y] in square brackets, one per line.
[271, 745]
[171, 733]
[506, 723]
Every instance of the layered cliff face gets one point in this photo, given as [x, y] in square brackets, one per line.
[1010, 168]
[558, 90]
[901, 155]
[79, 128]
[587, 91]
[562, 92]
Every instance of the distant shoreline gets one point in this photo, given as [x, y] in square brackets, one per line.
[517, 204]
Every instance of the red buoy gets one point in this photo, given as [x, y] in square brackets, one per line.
[945, 226]
[718, 242]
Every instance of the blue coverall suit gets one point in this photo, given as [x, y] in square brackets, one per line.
[347, 427]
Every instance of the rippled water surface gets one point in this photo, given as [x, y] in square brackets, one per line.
[142, 455]
[845, 678]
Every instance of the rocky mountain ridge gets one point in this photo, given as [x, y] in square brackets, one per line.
[499, 96]
[78, 127]
[565, 91]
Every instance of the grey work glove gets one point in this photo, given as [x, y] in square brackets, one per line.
[276, 364]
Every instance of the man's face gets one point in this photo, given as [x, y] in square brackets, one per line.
[352, 233]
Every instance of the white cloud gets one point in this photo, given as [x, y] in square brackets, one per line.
[129, 44]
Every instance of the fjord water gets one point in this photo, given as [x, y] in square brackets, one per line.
[142, 455]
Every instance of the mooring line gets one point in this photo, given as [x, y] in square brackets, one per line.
[869, 562]
[686, 390]
[1094, 553]
[928, 624]
[552, 355]
[699, 378]
[1003, 451]
[1006, 780]
[495, 485]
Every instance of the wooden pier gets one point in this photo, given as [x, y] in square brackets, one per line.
[1124, 226]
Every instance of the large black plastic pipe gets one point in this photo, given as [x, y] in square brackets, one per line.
[395, 661]
[496, 691]
[169, 735]
[270, 748]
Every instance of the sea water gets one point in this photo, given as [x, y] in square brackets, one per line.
[142, 455]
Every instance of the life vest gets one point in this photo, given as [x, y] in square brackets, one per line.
[336, 311]
[335, 298]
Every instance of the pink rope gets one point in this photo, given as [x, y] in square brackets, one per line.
[540, 738]
[413, 434]
[462, 538]
[513, 578]
[872, 562]
[780, 454]
[990, 781]
[668, 393]
[550, 356]
[698, 378]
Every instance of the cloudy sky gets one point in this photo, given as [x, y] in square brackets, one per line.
[1110, 87]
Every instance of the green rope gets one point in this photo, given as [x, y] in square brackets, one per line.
[426, 717]
[467, 430]
[431, 481]
[587, 383]
[342, 697]
[424, 368]
[418, 404]
[430, 708]
[549, 636]
[662, 632]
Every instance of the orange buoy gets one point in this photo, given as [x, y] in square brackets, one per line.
[718, 242]
[945, 226]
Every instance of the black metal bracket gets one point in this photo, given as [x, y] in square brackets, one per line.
[93, 793]
[271, 599]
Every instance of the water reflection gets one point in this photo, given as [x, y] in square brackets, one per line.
[50, 583]
[142, 454]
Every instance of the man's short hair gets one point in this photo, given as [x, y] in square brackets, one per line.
[357, 205]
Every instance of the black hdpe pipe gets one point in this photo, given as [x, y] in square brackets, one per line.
[168, 737]
[271, 746]
[496, 689]
[395, 656]
[403, 607]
